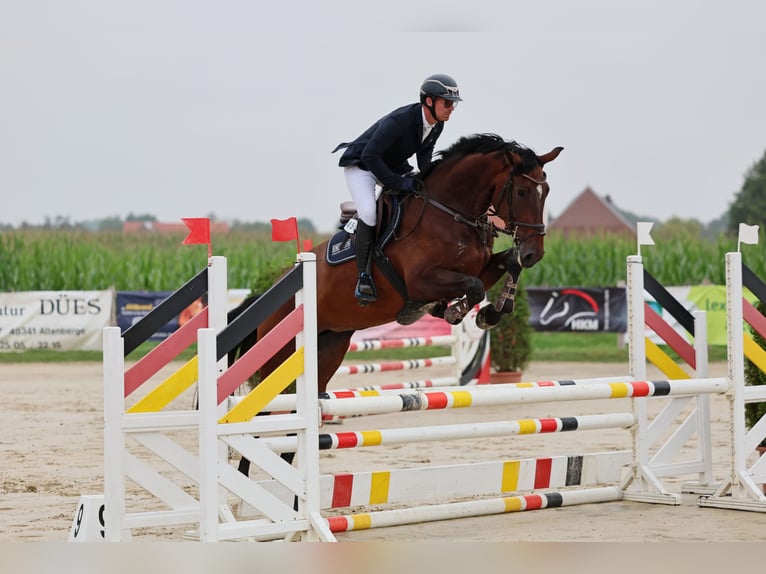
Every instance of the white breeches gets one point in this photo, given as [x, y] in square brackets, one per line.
[361, 184]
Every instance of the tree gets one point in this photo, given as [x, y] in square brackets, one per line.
[113, 223]
[141, 217]
[749, 205]
[677, 228]
[306, 225]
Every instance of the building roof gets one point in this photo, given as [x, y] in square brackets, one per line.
[590, 214]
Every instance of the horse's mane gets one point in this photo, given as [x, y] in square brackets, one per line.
[485, 143]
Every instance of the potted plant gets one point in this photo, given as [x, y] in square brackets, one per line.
[510, 347]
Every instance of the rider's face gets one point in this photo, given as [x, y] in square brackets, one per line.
[444, 109]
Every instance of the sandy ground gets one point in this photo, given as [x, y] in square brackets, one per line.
[51, 451]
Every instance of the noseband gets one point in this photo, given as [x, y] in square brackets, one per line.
[512, 227]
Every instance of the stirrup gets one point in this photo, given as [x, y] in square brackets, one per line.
[365, 291]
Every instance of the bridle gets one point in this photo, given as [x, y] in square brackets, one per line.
[512, 227]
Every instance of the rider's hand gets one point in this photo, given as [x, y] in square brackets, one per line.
[408, 184]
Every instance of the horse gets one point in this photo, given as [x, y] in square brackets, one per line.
[439, 259]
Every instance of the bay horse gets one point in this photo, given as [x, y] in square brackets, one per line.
[441, 254]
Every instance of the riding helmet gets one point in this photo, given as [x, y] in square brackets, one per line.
[440, 86]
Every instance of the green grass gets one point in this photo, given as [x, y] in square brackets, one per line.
[585, 347]
[576, 347]
[49, 356]
[594, 348]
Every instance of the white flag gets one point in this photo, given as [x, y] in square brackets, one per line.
[748, 234]
[643, 230]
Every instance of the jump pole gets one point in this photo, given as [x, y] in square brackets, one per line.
[286, 402]
[470, 397]
[397, 436]
[469, 358]
[448, 511]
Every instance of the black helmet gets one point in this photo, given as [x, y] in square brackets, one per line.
[440, 86]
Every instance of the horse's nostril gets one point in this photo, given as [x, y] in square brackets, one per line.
[529, 259]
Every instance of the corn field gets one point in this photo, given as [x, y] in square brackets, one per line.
[601, 261]
[57, 260]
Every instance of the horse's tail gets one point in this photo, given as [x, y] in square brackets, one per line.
[251, 339]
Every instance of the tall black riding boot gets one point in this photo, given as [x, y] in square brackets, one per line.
[365, 291]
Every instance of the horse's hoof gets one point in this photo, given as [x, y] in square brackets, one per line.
[481, 319]
[452, 316]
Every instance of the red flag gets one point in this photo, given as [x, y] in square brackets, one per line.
[284, 229]
[199, 230]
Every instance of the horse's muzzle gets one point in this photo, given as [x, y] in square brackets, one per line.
[529, 257]
[529, 249]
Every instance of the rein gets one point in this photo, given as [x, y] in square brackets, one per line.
[480, 223]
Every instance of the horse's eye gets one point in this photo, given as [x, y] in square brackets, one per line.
[522, 191]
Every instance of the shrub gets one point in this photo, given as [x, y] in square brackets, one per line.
[511, 340]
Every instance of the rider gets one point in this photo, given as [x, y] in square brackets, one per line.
[379, 156]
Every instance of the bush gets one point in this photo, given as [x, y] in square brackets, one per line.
[511, 340]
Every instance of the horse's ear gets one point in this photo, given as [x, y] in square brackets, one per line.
[551, 155]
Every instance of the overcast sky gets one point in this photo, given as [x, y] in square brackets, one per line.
[186, 108]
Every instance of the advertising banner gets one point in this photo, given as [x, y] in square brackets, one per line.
[132, 305]
[578, 309]
[74, 320]
[54, 320]
[712, 300]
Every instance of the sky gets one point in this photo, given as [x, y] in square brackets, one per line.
[191, 108]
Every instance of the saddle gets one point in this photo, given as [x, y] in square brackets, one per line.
[342, 248]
